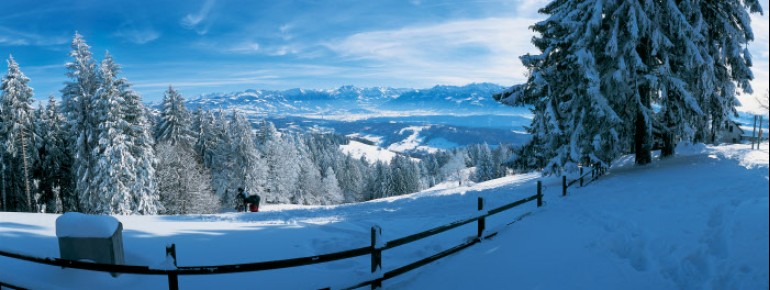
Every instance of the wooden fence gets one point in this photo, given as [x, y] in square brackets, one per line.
[375, 249]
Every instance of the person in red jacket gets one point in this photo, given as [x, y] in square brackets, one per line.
[251, 200]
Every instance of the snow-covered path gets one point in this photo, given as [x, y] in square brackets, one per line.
[697, 221]
[692, 222]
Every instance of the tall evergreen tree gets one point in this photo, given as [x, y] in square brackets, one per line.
[77, 96]
[18, 127]
[249, 170]
[138, 132]
[113, 171]
[603, 63]
[174, 120]
[52, 151]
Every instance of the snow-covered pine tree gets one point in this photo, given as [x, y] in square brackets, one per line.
[174, 120]
[52, 150]
[604, 63]
[405, 175]
[353, 182]
[249, 169]
[138, 133]
[205, 138]
[308, 181]
[485, 166]
[18, 123]
[332, 191]
[184, 184]
[76, 97]
[726, 30]
[113, 172]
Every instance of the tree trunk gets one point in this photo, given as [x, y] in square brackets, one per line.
[668, 139]
[642, 132]
[26, 173]
[2, 186]
[642, 138]
[668, 145]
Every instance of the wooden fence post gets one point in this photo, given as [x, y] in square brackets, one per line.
[376, 255]
[482, 220]
[539, 193]
[581, 176]
[173, 278]
[754, 132]
[563, 185]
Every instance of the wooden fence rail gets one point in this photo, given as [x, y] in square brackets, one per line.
[375, 250]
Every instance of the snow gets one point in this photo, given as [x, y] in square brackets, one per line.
[78, 225]
[371, 152]
[698, 220]
[411, 142]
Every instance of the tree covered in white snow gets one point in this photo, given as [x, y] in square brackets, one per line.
[604, 63]
[184, 184]
[77, 95]
[52, 149]
[174, 121]
[17, 129]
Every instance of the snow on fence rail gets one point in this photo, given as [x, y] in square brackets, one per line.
[375, 250]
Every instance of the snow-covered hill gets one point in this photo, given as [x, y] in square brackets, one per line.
[695, 221]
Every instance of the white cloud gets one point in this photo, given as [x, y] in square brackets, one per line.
[457, 52]
[13, 37]
[138, 36]
[193, 21]
[761, 58]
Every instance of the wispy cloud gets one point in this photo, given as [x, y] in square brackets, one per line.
[137, 36]
[761, 58]
[193, 21]
[454, 52]
[13, 37]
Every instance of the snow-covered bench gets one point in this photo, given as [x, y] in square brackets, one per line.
[95, 238]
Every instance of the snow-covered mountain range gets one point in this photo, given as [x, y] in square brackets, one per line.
[351, 100]
[447, 116]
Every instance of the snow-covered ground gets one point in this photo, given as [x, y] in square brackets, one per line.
[412, 142]
[695, 221]
[372, 153]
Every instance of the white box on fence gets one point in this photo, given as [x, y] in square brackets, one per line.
[96, 238]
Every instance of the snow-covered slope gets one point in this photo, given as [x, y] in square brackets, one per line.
[372, 153]
[695, 221]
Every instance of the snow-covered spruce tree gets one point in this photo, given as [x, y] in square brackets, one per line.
[486, 169]
[602, 65]
[249, 169]
[205, 138]
[113, 171]
[76, 97]
[332, 191]
[353, 182]
[184, 184]
[284, 167]
[405, 175]
[138, 133]
[221, 164]
[52, 150]
[174, 120]
[309, 187]
[726, 30]
[18, 128]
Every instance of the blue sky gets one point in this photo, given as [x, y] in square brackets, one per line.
[203, 46]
